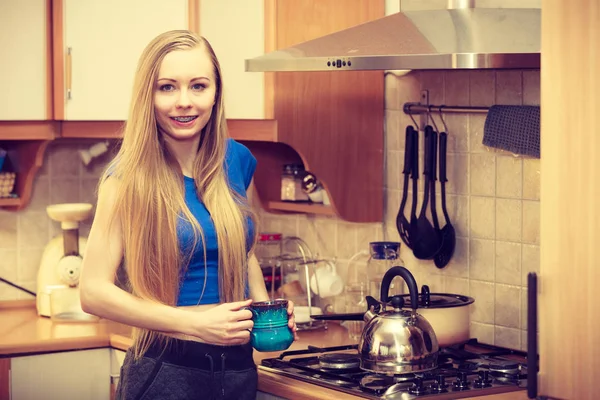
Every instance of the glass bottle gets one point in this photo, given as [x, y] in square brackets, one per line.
[356, 292]
[384, 255]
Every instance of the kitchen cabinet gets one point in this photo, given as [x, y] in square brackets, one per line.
[331, 122]
[569, 318]
[96, 48]
[219, 19]
[116, 362]
[26, 56]
[69, 375]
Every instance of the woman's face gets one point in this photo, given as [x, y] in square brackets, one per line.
[184, 93]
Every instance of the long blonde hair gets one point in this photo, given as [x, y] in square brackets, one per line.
[150, 199]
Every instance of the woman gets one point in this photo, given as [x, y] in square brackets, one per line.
[172, 208]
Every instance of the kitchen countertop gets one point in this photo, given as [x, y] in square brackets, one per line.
[23, 332]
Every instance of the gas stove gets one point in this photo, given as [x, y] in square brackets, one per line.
[466, 370]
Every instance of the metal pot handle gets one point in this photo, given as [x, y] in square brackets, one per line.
[410, 282]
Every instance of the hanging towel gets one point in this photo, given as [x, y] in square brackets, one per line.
[513, 128]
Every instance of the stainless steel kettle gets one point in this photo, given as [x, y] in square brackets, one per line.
[397, 341]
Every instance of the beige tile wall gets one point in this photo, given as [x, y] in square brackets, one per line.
[493, 201]
[62, 179]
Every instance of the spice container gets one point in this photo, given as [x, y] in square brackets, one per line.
[291, 183]
[314, 189]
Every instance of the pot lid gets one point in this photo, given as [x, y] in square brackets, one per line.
[441, 300]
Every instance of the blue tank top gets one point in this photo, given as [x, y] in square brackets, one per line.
[239, 169]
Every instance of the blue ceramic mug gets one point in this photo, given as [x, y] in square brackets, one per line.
[271, 331]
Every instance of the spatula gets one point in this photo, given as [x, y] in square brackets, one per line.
[427, 242]
[444, 255]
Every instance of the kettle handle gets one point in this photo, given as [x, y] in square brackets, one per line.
[410, 282]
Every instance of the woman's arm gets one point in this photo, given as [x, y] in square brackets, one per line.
[224, 324]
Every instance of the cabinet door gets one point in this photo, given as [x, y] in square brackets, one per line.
[58, 376]
[117, 357]
[24, 66]
[235, 30]
[102, 43]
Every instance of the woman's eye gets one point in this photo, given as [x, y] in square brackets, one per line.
[166, 88]
[198, 86]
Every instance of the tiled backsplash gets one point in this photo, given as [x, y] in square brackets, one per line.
[23, 235]
[493, 201]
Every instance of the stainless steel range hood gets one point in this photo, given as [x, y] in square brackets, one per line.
[467, 38]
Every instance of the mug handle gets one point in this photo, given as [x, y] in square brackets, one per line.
[331, 266]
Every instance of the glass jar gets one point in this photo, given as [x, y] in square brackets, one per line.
[291, 183]
[268, 253]
[384, 255]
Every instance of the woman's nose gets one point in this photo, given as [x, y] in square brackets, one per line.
[184, 100]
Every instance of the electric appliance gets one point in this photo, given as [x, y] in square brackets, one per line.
[461, 36]
[61, 262]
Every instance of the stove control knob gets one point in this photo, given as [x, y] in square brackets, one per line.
[417, 387]
[462, 381]
[439, 386]
[484, 380]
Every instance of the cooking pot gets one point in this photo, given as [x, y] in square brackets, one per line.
[449, 315]
[397, 341]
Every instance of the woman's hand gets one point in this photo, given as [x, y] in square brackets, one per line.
[292, 319]
[227, 324]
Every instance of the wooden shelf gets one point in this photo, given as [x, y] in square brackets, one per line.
[29, 130]
[309, 208]
[29, 155]
[10, 202]
[92, 129]
[253, 129]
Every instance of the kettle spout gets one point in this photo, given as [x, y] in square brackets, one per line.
[369, 315]
[374, 308]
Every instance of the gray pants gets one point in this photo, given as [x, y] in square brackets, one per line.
[189, 370]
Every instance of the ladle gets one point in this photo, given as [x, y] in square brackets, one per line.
[402, 223]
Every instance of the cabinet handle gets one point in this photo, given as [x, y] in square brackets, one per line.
[68, 72]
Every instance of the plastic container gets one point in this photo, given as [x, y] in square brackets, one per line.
[65, 306]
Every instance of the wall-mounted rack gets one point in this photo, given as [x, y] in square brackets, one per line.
[419, 108]
[424, 109]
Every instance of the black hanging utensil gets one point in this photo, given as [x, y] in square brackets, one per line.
[532, 327]
[444, 255]
[432, 183]
[415, 182]
[402, 223]
[427, 242]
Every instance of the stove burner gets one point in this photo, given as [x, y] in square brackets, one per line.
[337, 382]
[376, 382]
[468, 366]
[505, 367]
[339, 361]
